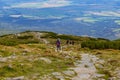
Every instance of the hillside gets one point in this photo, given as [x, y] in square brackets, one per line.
[32, 55]
[39, 36]
[27, 54]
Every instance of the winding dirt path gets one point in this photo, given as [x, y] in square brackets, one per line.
[86, 69]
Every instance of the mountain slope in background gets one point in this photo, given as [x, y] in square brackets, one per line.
[85, 18]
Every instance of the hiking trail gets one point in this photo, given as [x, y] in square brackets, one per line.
[85, 68]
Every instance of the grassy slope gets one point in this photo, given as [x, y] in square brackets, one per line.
[28, 49]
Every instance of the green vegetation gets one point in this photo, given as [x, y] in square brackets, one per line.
[101, 44]
[13, 40]
[26, 67]
[65, 37]
[31, 59]
[26, 54]
[25, 37]
[112, 62]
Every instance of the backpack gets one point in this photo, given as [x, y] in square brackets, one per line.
[58, 42]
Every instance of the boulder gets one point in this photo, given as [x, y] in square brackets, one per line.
[58, 76]
[112, 78]
[16, 78]
[46, 60]
[3, 59]
[69, 73]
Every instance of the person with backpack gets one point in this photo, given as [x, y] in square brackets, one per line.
[73, 42]
[58, 44]
[67, 42]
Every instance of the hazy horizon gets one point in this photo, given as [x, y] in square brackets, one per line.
[89, 17]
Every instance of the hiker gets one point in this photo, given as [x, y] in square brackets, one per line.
[58, 44]
[73, 42]
[67, 42]
[70, 42]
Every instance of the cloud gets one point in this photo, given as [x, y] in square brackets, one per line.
[36, 17]
[105, 13]
[86, 19]
[6, 7]
[15, 16]
[43, 4]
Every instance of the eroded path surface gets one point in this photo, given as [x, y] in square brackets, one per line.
[85, 68]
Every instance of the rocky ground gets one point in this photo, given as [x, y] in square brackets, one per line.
[40, 61]
[86, 69]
